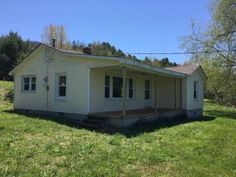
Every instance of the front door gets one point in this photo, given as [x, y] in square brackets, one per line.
[147, 94]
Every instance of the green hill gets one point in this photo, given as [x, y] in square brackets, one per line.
[30, 146]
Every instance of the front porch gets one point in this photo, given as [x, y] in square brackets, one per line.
[122, 91]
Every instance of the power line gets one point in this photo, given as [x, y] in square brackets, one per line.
[179, 53]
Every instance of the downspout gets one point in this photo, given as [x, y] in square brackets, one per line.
[48, 58]
[124, 93]
[47, 86]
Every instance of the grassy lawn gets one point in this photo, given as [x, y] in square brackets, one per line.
[36, 147]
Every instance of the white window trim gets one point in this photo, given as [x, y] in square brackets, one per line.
[127, 91]
[105, 86]
[57, 86]
[147, 89]
[111, 87]
[197, 90]
[30, 83]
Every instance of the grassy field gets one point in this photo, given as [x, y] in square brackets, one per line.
[30, 146]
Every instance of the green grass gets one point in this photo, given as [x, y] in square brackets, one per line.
[36, 147]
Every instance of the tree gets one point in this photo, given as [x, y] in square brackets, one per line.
[106, 49]
[164, 62]
[216, 50]
[147, 61]
[12, 50]
[55, 32]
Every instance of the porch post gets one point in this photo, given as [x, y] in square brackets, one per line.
[181, 102]
[175, 94]
[155, 91]
[124, 92]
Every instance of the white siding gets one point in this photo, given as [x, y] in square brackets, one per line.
[184, 93]
[168, 92]
[76, 70]
[31, 100]
[191, 103]
[85, 86]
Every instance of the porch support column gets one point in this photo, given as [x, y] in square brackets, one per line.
[175, 94]
[181, 102]
[155, 91]
[124, 92]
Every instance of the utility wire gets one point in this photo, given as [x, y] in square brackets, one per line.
[179, 53]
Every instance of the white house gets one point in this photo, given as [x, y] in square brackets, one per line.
[73, 83]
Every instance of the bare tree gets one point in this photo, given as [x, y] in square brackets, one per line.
[55, 32]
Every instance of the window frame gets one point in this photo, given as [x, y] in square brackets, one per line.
[130, 88]
[195, 90]
[58, 75]
[147, 90]
[111, 76]
[113, 87]
[30, 84]
[107, 86]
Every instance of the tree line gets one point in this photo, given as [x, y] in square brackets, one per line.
[215, 50]
[13, 49]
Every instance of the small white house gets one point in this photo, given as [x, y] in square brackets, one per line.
[73, 83]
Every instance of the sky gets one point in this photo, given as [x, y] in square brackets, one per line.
[130, 25]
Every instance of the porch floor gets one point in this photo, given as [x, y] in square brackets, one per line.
[137, 113]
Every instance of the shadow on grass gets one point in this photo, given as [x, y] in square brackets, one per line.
[147, 127]
[132, 131]
[225, 114]
[58, 119]
[219, 113]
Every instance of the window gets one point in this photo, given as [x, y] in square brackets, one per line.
[114, 85]
[61, 86]
[29, 83]
[107, 86]
[33, 83]
[147, 89]
[26, 86]
[195, 90]
[117, 87]
[130, 88]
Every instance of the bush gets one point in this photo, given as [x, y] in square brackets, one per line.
[9, 96]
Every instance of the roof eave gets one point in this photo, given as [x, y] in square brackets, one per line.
[152, 68]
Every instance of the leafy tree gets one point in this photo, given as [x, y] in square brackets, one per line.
[106, 49]
[147, 61]
[218, 44]
[160, 63]
[12, 50]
